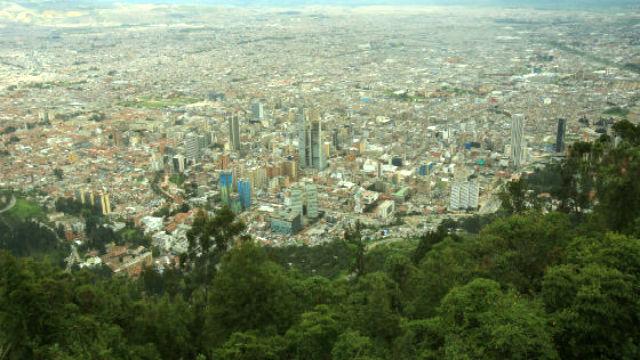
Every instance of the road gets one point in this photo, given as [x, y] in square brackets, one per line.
[9, 206]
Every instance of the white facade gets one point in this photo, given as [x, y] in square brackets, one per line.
[464, 195]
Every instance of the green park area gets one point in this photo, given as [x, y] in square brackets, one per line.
[25, 209]
[159, 103]
[617, 111]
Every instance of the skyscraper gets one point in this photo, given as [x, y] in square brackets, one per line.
[105, 203]
[178, 163]
[257, 111]
[310, 144]
[464, 195]
[317, 151]
[234, 132]
[303, 146]
[517, 130]
[226, 186]
[311, 196]
[296, 202]
[192, 147]
[562, 130]
[244, 190]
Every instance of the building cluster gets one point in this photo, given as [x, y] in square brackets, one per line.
[396, 124]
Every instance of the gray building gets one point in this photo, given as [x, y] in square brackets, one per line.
[560, 136]
[310, 142]
[257, 111]
[234, 132]
[517, 139]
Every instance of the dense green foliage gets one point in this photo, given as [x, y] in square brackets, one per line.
[551, 277]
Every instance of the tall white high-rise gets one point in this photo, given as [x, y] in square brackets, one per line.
[464, 195]
[517, 141]
[192, 147]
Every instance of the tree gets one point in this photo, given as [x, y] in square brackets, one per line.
[353, 237]
[593, 299]
[517, 250]
[166, 323]
[480, 321]
[400, 269]
[426, 243]
[313, 337]
[617, 184]
[374, 307]
[451, 262]
[351, 345]
[420, 339]
[251, 346]
[627, 131]
[44, 314]
[517, 199]
[249, 292]
[209, 238]
[595, 312]
[514, 197]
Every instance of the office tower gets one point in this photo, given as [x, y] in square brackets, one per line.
[310, 144]
[464, 195]
[178, 163]
[192, 147]
[204, 140]
[422, 170]
[317, 146]
[257, 111]
[474, 194]
[311, 197]
[303, 145]
[234, 132]
[226, 186]
[92, 198]
[517, 130]
[296, 201]
[244, 190]
[105, 203]
[562, 130]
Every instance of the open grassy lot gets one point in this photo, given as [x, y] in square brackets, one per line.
[25, 209]
[156, 104]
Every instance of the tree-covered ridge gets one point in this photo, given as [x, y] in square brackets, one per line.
[556, 275]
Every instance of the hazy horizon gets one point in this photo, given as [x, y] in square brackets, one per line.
[578, 4]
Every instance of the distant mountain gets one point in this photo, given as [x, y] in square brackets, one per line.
[528, 3]
[577, 4]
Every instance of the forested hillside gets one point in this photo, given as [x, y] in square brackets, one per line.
[555, 275]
